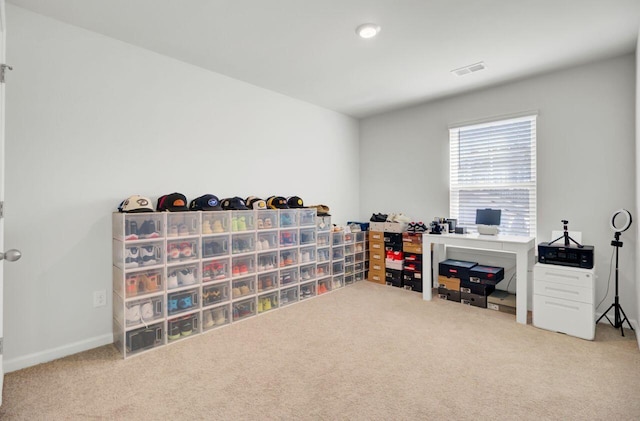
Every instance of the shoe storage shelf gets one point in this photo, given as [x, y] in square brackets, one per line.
[176, 275]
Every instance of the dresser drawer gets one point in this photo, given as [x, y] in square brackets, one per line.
[563, 291]
[564, 275]
[570, 317]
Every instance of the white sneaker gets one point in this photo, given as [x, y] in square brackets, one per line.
[133, 314]
[146, 311]
[208, 319]
[172, 280]
[186, 277]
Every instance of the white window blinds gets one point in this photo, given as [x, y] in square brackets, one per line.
[493, 165]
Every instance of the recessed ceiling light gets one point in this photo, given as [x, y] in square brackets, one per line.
[368, 30]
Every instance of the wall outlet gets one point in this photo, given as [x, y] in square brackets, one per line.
[100, 298]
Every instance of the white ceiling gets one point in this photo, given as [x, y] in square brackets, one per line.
[307, 49]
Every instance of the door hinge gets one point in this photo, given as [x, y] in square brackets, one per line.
[3, 71]
[1, 210]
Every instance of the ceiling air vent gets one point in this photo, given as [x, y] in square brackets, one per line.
[469, 69]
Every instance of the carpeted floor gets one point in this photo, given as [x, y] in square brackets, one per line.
[365, 352]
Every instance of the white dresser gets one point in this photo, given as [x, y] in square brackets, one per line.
[564, 300]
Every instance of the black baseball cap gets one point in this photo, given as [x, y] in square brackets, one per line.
[295, 202]
[174, 202]
[277, 202]
[234, 203]
[208, 202]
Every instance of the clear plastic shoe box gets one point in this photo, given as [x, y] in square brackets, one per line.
[288, 238]
[243, 287]
[267, 281]
[268, 261]
[268, 302]
[214, 270]
[215, 317]
[183, 301]
[289, 277]
[289, 296]
[183, 327]
[216, 293]
[243, 243]
[183, 250]
[183, 224]
[244, 309]
[288, 218]
[307, 217]
[267, 219]
[215, 246]
[183, 275]
[177, 274]
[307, 290]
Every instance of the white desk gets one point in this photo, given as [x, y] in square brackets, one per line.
[522, 247]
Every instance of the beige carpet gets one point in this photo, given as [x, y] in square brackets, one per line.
[366, 352]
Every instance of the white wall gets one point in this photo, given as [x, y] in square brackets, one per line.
[586, 157]
[637, 225]
[90, 121]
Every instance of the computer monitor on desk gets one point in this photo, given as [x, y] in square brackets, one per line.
[488, 221]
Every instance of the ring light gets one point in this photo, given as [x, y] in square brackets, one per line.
[627, 223]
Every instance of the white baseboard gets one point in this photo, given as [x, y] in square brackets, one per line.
[36, 358]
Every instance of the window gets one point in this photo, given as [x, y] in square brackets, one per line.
[493, 165]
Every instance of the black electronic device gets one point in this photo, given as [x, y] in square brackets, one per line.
[488, 216]
[552, 254]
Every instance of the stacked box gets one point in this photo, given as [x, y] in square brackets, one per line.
[451, 275]
[393, 277]
[376, 257]
[412, 268]
[502, 301]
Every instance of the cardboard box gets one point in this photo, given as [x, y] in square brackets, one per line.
[449, 283]
[393, 277]
[376, 277]
[411, 276]
[488, 275]
[478, 289]
[415, 285]
[412, 266]
[447, 294]
[473, 299]
[375, 235]
[393, 247]
[398, 227]
[412, 248]
[502, 301]
[377, 255]
[412, 237]
[376, 246]
[393, 238]
[376, 226]
[456, 268]
[412, 257]
[377, 265]
[394, 264]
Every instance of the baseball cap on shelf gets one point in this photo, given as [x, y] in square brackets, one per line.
[256, 203]
[234, 203]
[174, 202]
[136, 203]
[277, 202]
[208, 202]
[295, 202]
[322, 210]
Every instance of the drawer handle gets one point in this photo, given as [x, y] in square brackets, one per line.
[562, 290]
[562, 305]
[559, 275]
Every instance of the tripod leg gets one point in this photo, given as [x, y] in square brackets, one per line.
[605, 315]
[625, 319]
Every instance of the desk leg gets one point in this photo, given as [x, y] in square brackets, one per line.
[521, 286]
[426, 269]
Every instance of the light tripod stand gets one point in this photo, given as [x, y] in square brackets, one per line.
[617, 308]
